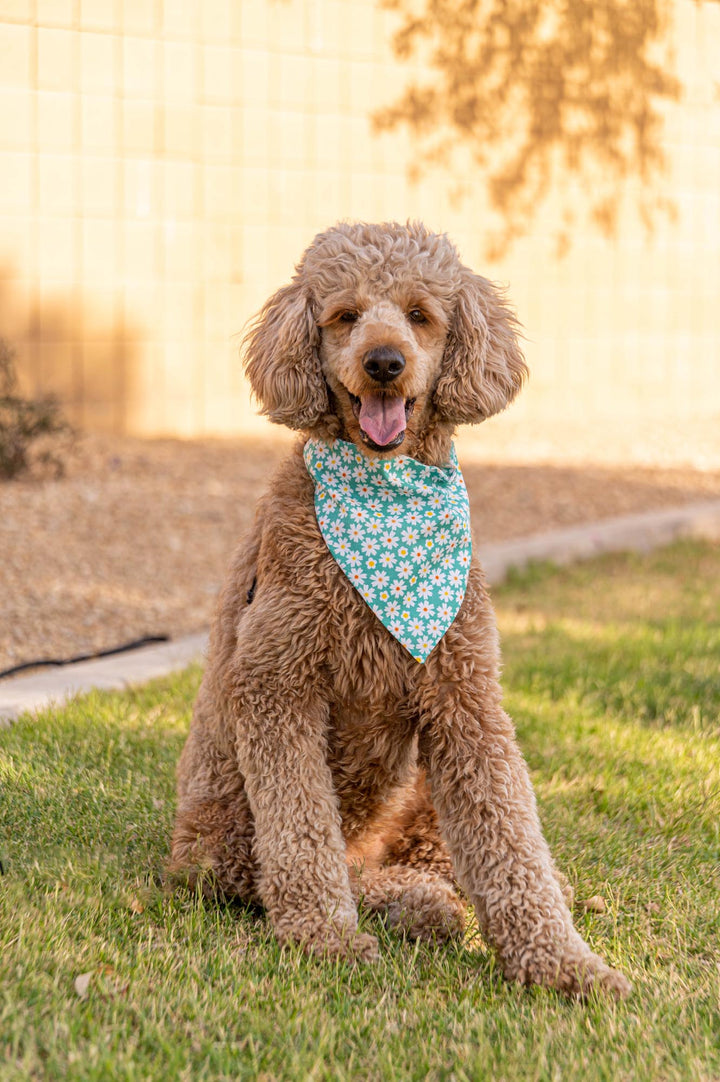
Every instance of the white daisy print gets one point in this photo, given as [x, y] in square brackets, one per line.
[399, 530]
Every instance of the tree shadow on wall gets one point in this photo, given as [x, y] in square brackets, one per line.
[70, 349]
[528, 93]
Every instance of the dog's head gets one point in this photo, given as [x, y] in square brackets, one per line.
[382, 334]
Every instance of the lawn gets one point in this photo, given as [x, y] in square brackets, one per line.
[612, 673]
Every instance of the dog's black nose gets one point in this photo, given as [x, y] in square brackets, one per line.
[383, 364]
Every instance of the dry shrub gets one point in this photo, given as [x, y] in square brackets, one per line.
[33, 432]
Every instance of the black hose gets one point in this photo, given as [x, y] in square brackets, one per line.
[47, 662]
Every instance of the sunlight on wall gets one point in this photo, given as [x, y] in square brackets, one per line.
[165, 164]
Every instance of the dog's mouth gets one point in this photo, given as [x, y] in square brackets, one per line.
[383, 419]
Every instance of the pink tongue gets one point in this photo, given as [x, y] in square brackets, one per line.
[382, 419]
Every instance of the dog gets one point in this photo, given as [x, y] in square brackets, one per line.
[329, 762]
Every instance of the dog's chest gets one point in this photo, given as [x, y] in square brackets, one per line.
[371, 752]
[370, 673]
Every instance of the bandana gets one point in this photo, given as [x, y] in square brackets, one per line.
[400, 532]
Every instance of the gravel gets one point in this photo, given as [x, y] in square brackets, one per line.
[133, 541]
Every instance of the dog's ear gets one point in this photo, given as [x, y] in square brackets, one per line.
[483, 367]
[282, 360]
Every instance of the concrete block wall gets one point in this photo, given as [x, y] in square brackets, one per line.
[165, 162]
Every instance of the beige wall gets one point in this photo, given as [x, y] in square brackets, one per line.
[164, 165]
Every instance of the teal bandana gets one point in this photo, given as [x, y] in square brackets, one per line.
[400, 531]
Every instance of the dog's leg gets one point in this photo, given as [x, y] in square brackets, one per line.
[304, 882]
[486, 808]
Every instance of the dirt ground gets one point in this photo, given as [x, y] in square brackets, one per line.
[134, 540]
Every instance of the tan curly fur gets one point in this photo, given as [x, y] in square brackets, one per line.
[324, 766]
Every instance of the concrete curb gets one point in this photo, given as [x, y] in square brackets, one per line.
[626, 533]
[640, 533]
[28, 694]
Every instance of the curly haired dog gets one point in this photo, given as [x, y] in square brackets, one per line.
[324, 764]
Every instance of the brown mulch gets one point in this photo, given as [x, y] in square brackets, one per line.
[135, 538]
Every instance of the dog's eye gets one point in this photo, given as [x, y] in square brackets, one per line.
[416, 315]
[348, 317]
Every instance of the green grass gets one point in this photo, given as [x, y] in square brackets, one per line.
[612, 671]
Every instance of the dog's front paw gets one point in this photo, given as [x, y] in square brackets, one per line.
[355, 946]
[577, 975]
[595, 975]
[328, 938]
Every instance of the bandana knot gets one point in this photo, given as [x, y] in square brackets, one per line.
[400, 531]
